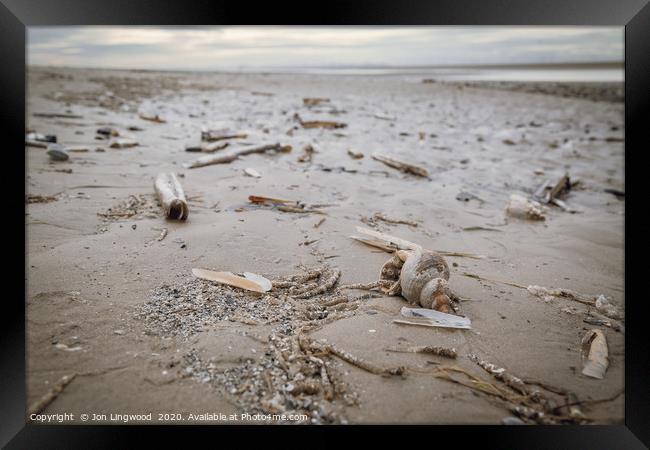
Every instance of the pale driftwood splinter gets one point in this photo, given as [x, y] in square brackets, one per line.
[171, 196]
[227, 157]
[220, 135]
[401, 166]
[390, 243]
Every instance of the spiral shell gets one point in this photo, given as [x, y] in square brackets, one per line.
[423, 280]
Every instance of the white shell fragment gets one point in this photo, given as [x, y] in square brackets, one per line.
[260, 280]
[124, 143]
[434, 318]
[249, 281]
[594, 354]
[522, 208]
[252, 173]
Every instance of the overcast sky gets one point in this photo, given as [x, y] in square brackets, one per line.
[213, 48]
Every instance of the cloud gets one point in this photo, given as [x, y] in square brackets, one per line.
[213, 48]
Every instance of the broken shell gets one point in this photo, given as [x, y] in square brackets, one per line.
[57, 152]
[521, 207]
[595, 354]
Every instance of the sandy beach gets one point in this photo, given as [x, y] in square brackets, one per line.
[111, 297]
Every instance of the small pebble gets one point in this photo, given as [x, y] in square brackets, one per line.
[510, 420]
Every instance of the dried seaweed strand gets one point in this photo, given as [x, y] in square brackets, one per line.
[368, 367]
[500, 374]
[42, 403]
[364, 286]
[327, 285]
[430, 349]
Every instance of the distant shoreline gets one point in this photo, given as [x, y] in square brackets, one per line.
[299, 69]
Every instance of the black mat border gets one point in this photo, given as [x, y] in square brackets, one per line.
[16, 14]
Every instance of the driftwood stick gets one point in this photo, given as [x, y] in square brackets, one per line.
[224, 158]
[213, 136]
[401, 166]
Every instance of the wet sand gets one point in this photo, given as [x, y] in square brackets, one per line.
[92, 282]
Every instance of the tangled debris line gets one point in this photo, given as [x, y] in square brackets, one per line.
[602, 303]
[529, 404]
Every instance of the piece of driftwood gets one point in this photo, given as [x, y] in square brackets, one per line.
[57, 115]
[393, 242]
[224, 158]
[171, 196]
[355, 155]
[594, 354]
[258, 199]
[561, 186]
[328, 124]
[151, 117]
[37, 144]
[124, 143]
[307, 155]
[313, 101]
[549, 193]
[390, 243]
[209, 147]
[401, 165]
[42, 403]
[220, 135]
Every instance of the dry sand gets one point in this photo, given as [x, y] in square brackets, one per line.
[89, 280]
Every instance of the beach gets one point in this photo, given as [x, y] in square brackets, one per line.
[112, 298]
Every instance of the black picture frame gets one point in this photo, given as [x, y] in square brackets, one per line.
[16, 15]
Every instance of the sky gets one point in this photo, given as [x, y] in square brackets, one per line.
[238, 47]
